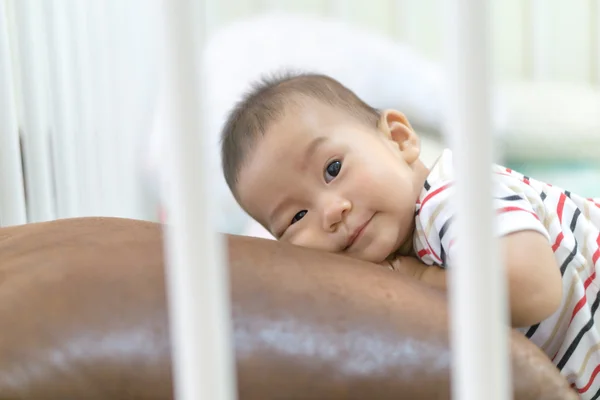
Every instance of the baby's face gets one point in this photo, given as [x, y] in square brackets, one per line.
[320, 179]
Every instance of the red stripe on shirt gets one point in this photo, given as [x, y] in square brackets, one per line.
[596, 255]
[423, 253]
[432, 252]
[558, 241]
[578, 307]
[561, 206]
[513, 208]
[589, 384]
[583, 300]
[432, 194]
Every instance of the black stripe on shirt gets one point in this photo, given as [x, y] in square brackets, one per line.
[596, 396]
[532, 330]
[513, 197]
[573, 345]
[568, 260]
[441, 234]
[576, 215]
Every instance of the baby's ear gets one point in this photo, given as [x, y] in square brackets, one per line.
[396, 127]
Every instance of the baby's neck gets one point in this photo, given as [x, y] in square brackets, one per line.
[420, 173]
[406, 249]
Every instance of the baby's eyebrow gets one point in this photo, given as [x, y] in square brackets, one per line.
[311, 150]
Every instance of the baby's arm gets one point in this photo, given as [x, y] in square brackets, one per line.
[534, 281]
[534, 278]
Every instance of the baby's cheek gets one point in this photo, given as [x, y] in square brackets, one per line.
[313, 240]
[377, 183]
[365, 178]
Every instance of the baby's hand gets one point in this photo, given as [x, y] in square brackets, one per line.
[407, 265]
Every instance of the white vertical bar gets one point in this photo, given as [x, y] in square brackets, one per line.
[477, 282]
[211, 15]
[12, 196]
[124, 60]
[400, 19]
[595, 40]
[126, 46]
[526, 55]
[197, 279]
[541, 40]
[81, 116]
[15, 62]
[100, 25]
[62, 105]
[406, 24]
[86, 133]
[340, 9]
[32, 48]
[139, 74]
[115, 36]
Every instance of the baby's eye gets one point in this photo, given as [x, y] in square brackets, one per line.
[332, 170]
[298, 217]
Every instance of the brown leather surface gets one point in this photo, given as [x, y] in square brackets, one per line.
[83, 316]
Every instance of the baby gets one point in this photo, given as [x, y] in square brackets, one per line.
[319, 168]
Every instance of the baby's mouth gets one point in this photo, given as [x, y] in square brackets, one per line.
[356, 234]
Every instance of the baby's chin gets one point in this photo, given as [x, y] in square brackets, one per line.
[376, 256]
[381, 252]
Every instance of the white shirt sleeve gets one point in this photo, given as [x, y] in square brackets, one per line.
[513, 200]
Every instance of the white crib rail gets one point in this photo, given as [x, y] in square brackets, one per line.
[197, 279]
[12, 196]
[477, 283]
[34, 83]
[85, 107]
[63, 98]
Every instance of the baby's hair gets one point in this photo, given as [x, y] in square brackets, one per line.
[268, 100]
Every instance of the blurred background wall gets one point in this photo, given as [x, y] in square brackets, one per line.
[82, 126]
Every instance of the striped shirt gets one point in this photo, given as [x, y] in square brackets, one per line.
[571, 223]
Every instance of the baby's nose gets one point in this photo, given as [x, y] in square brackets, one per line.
[334, 212]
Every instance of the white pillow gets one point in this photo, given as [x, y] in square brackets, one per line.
[549, 120]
